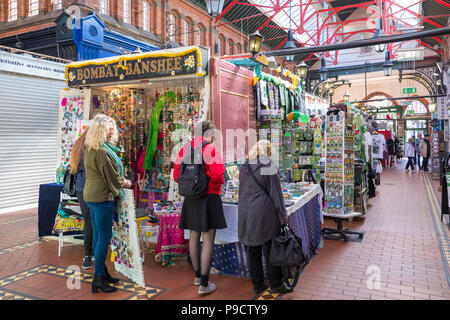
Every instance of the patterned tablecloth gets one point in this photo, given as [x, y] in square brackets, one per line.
[171, 242]
[231, 258]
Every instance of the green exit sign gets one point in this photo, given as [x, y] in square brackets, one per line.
[409, 90]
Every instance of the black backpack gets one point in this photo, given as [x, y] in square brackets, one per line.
[192, 181]
[70, 183]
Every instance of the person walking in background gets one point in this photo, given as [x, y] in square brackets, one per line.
[104, 183]
[409, 152]
[413, 137]
[77, 168]
[261, 213]
[425, 151]
[417, 148]
[204, 215]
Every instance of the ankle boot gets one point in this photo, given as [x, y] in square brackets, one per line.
[100, 282]
[109, 278]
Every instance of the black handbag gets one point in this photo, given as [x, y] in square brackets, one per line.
[287, 249]
[70, 183]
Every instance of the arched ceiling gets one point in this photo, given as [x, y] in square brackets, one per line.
[317, 22]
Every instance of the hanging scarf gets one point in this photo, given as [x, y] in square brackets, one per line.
[113, 152]
[152, 140]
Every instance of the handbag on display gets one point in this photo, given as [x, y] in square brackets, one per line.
[70, 183]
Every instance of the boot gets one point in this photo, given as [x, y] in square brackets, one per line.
[109, 278]
[100, 282]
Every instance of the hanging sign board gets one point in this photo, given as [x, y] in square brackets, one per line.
[442, 108]
[155, 64]
[409, 90]
[26, 64]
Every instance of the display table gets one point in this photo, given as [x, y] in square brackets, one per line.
[49, 198]
[342, 233]
[304, 217]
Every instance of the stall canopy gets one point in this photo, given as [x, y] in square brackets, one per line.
[135, 67]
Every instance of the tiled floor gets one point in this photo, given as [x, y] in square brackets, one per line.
[405, 247]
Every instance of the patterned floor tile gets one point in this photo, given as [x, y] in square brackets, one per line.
[138, 293]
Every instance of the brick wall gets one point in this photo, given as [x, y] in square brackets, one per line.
[159, 9]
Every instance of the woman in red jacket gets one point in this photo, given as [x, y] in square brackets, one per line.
[204, 215]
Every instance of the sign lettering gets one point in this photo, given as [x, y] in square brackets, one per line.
[135, 69]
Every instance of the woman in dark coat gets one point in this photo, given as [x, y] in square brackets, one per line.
[261, 215]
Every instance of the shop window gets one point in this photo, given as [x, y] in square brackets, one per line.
[186, 32]
[238, 48]
[223, 45]
[171, 27]
[146, 15]
[33, 9]
[12, 12]
[127, 11]
[104, 7]
[197, 35]
[230, 47]
[415, 108]
[57, 4]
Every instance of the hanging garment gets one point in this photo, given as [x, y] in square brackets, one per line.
[378, 146]
[277, 96]
[152, 140]
[288, 101]
[282, 94]
[391, 146]
[271, 93]
[258, 100]
[367, 143]
[264, 93]
[370, 177]
[302, 103]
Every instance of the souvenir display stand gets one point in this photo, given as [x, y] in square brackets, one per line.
[74, 110]
[339, 171]
[156, 98]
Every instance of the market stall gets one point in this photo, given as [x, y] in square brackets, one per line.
[156, 99]
[304, 210]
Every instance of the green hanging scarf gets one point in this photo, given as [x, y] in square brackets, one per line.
[152, 139]
[113, 152]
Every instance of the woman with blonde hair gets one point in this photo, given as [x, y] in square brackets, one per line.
[261, 213]
[77, 168]
[104, 183]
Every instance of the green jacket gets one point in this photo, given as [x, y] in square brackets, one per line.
[103, 182]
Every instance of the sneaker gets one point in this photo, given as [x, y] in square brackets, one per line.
[206, 290]
[196, 281]
[87, 262]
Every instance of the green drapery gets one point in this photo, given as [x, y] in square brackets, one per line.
[152, 139]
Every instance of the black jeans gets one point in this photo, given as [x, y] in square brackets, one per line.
[410, 163]
[87, 225]
[425, 163]
[256, 267]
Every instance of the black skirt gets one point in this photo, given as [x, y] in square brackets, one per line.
[203, 214]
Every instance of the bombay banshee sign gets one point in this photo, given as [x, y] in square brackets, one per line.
[139, 67]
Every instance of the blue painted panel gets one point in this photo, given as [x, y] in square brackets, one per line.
[92, 30]
[94, 41]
